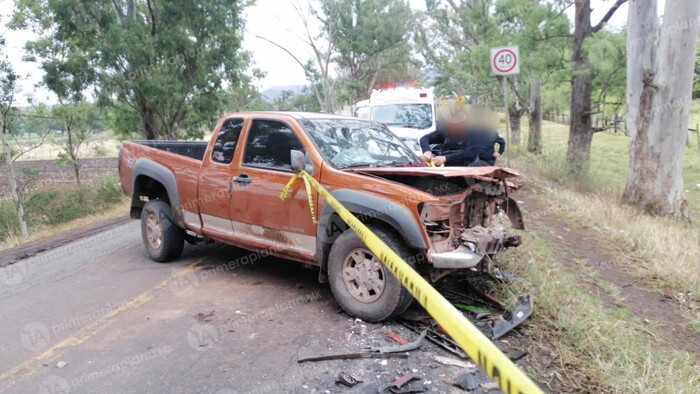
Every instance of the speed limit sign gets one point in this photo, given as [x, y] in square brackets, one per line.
[505, 60]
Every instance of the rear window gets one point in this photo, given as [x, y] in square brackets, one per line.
[225, 144]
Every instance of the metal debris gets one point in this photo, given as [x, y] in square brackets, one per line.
[436, 337]
[396, 337]
[455, 363]
[354, 356]
[516, 355]
[347, 380]
[396, 385]
[401, 348]
[205, 317]
[514, 318]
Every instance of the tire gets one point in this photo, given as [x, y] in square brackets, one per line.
[351, 294]
[166, 239]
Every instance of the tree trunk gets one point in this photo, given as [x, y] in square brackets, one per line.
[11, 177]
[580, 126]
[534, 139]
[514, 115]
[76, 171]
[149, 124]
[658, 132]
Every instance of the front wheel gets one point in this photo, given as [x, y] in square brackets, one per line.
[163, 239]
[361, 284]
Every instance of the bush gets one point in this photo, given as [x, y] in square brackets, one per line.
[9, 226]
[54, 207]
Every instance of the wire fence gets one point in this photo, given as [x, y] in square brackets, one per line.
[618, 125]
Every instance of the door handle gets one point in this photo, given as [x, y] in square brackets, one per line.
[243, 179]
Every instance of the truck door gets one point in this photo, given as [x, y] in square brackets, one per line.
[257, 212]
[215, 185]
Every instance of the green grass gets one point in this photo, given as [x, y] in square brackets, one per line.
[665, 253]
[50, 209]
[602, 349]
[609, 160]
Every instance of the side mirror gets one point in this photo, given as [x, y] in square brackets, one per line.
[298, 160]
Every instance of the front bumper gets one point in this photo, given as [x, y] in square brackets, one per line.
[475, 244]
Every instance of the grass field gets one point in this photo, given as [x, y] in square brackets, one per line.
[609, 160]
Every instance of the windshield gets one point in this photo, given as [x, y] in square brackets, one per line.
[417, 116]
[355, 143]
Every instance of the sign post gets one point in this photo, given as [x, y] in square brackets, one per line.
[505, 61]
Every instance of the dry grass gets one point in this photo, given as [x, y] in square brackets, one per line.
[608, 350]
[664, 252]
[117, 210]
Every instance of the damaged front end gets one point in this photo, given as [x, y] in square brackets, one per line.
[461, 230]
[459, 223]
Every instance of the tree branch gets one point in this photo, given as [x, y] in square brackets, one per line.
[608, 15]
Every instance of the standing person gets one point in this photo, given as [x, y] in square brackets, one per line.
[457, 143]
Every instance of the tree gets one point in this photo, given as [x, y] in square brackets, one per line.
[659, 92]
[160, 63]
[8, 89]
[78, 120]
[317, 69]
[371, 39]
[578, 153]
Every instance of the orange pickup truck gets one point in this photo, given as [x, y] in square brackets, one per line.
[438, 219]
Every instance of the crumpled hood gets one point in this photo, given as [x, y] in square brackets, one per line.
[484, 173]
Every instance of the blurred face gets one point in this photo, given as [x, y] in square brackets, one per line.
[455, 129]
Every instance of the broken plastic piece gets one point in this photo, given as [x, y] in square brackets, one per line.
[514, 318]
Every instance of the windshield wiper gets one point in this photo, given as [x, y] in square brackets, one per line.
[373, 164]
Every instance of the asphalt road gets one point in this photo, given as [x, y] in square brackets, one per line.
[96, 315]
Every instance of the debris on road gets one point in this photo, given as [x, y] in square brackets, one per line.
[466, 381]
[435, 336]
[205, 317]
[396, 385]
[61, 364]
[401, 348]
[347, 380]
[396, 337]
[455, 363]
[354, 356]
[514, 318]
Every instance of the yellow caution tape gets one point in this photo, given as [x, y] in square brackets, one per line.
[432, 164]
[287, 188]
[496, 364]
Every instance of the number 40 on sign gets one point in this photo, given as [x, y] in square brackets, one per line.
[505, 60]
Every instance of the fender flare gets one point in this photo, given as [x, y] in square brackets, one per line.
[367, 205]
[165, 176]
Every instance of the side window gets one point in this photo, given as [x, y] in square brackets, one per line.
[268, 145]
[225, 143]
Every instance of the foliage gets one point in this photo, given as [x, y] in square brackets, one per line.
[607, 50]
[289, 101]
[163, 62]
[370, 38]
[455, 39]
[55, 207]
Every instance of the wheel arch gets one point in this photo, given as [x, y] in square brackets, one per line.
[368, 208]
[154, 181]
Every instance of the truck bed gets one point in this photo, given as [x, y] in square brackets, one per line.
[191, 149]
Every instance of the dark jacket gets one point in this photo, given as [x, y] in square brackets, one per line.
[475, 144]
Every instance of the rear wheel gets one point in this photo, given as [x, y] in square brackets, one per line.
[164, 241]
[361, 284]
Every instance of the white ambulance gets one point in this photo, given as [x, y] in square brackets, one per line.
[408, 112]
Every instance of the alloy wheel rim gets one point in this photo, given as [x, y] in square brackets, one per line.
[363, 275]
[153, 231]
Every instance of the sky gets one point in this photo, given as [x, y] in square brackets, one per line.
[276, 20]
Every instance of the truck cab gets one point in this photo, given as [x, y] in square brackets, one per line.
[408, 112]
